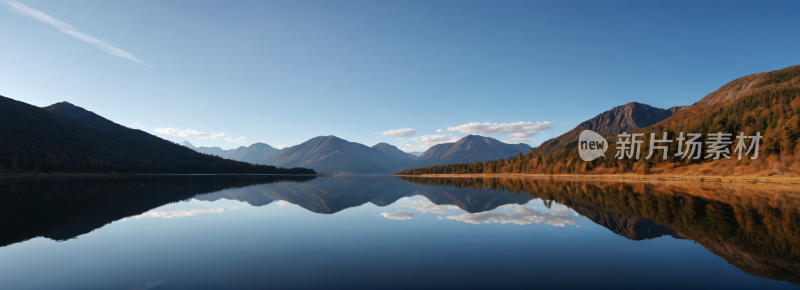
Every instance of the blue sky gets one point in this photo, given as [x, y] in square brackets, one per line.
[282, 72]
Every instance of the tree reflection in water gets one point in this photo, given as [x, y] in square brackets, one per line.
[753, 227]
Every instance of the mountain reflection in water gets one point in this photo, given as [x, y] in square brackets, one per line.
[753, 228]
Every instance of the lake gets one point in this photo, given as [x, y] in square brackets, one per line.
[387, 232]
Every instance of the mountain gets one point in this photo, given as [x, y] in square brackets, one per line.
[249, 154]
[188, 144]
[416, 153]
[67, 138]
[252, 153]
[216, 151]
[766, 103]
[472, 148]
[330, 154]
[81, 116]
[395, 153]
[609, 123]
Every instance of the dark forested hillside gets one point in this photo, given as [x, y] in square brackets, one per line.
[766, 103]
[67, 138]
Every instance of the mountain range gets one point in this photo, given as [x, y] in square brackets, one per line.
[66, 138]
[249, 154]
[331, 154]
[765, 103]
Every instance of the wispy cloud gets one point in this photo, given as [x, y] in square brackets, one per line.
[69, 29]
[188, 132]
[399, 215]
[414, 148]
[521, 131]
[400, 133]
[235, 140]
[282, 146]
[434, 139]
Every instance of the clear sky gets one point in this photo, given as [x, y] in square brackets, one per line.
[282, 72]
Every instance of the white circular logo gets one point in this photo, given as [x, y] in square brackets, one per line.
[591, 145]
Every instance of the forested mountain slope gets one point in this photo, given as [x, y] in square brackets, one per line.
[765, 103]
[66, 138]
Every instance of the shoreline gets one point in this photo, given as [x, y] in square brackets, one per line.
[778, 180]
[92, 175]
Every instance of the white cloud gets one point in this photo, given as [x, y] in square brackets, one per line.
[521, 131]
[69, 29]
[438, 130]
[414, 148]
[399, 215]
[283, 203]
[138, 125]
[178, 213]
[522, 215]
[235, 140]
[434, 139]
[188, 132]
[400, 133]
[426, 206]
[282, 146]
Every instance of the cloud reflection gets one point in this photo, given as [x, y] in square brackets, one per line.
[399, 215]
[522, 215]
[426, 206]
[178, 213]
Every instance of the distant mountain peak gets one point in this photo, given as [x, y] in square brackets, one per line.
[331, 154]
[188, 144]
[394, 152]
[250, 154]
[472, 148]
[617, 120]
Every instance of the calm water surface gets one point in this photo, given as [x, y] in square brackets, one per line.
[384, 232]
